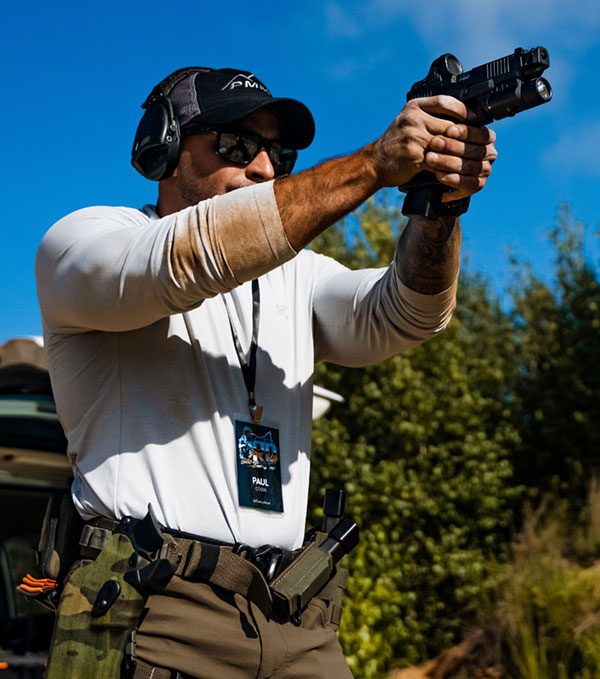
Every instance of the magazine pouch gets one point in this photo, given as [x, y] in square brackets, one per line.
[58, 548]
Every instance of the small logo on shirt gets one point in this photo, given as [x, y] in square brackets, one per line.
[282, 310]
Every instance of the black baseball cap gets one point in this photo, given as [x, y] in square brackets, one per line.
[208, 96]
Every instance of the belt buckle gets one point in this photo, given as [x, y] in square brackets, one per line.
[266, 558]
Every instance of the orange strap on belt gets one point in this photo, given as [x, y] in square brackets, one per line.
[33, 585]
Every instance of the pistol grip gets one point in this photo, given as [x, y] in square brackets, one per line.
[423, 195]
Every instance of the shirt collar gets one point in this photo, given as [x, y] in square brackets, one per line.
[150, 211]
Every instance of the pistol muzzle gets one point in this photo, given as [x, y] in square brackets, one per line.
[543, 91]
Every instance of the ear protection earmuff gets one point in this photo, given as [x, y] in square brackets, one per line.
[155, 151]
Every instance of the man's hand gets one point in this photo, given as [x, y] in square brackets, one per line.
[460, 155]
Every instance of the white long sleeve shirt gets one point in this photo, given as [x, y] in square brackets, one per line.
[144, 369]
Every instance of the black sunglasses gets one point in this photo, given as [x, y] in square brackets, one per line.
[241, 147]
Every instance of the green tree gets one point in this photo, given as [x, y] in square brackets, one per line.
[422, 445]
[558, 391]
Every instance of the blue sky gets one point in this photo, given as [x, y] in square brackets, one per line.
[75, 74]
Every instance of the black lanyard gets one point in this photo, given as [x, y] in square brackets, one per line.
[249, 366]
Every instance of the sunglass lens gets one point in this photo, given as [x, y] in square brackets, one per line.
[242, 148]
[237, 148]
[283, 159]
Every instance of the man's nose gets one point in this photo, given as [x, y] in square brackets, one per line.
[260, 169]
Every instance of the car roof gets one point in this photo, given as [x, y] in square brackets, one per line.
[32, 441]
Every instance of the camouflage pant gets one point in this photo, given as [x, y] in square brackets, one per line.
[89, 642]
[207, 632]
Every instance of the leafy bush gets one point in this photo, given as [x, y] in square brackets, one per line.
[558, 389]
[439, 447]
[548, 603]
[422, 445]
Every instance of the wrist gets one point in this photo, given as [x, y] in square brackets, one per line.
[390, 167]
[429, 253]
[371, 167]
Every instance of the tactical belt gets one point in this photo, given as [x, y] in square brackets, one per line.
[100, 604]
[280, 582]
[198, 559]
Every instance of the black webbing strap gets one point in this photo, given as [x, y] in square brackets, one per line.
[209, 559]
[248, 366]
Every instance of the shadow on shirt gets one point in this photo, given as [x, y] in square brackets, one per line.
[156, 391]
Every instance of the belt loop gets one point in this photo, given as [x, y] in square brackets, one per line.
[238, 575]
[94, 537]
[171, 550]
[145, 671]
[190, 560]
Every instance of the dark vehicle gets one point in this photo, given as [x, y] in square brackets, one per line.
[33, 464]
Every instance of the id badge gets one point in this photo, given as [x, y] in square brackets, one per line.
[258, 465]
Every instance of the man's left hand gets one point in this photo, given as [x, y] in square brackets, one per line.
[462, 159]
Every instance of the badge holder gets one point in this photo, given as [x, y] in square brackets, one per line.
[258, 464]
[256, 442]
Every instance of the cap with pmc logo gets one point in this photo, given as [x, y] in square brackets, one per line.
[219, 96]
[206, 96]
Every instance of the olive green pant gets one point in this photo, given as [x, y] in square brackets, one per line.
[207, 632]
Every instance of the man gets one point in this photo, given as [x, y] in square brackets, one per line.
[181, 341]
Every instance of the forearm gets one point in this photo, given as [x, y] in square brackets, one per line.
[313, 200]
[429, 254]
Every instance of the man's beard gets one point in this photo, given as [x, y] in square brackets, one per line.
[191, 194]
[233, 187]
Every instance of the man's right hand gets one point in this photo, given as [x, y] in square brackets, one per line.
[460, 155]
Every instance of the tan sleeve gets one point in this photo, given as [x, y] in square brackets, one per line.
[113, 269]
[232, 238]
[428, 314]
[365, 316]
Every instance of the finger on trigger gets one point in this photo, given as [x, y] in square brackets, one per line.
[470, 133]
